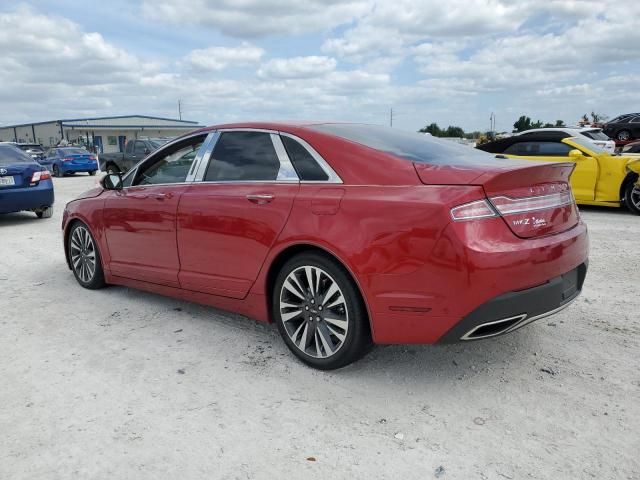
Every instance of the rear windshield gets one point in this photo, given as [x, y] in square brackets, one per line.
[595, 134]
[415, 147]
[73, 151]
[10, 155]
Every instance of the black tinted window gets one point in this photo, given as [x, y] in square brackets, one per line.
[305, 165]
[172, 167]
[553, 149]
[10, 155]
[415, 147]
[243, 156]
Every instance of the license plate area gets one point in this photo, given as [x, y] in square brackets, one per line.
[7, 181]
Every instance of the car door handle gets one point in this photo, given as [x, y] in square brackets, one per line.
[161, 196]
[260, 198]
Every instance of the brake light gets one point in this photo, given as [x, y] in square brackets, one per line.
[67, 159]
[507, 206]
[93, 157]
[473, 211]
[38, 176]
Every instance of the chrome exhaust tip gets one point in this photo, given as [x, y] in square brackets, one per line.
[494, 328]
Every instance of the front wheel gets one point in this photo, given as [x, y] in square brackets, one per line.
[632, 197]
[319, 312]
[85, 257]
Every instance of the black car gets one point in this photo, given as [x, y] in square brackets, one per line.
[633, 147]
[623, 128]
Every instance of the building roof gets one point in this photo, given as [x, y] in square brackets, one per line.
[130, 121]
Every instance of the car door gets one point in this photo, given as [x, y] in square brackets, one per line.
[140, 219]
[228, 222]
[585, 174]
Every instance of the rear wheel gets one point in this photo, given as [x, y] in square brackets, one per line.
[44, 212]
[56, 171]
[112, 168]
[319, 312]
[623, 135]
[85, 257]
[632, 197]
[92, 173]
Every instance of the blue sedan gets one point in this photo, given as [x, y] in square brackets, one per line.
[64, 160]
[24, 183]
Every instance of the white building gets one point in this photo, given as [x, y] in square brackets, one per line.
[106, 134]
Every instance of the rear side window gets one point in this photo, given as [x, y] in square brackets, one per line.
[415, 147]
[10, 155]
[306, 166]
[551, 149]
[243, 156]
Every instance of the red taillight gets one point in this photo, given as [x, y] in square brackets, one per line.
[507, 205]
[92, 157]
[473, 211]
[38, 176]
[67, 159]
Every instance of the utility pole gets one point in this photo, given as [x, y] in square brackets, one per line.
[180, 109]
[391, 117]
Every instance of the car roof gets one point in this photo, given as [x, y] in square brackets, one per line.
[569, 130]
[499, 146]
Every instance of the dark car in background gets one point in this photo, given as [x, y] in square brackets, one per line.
[623, 128]
[24, 183]
[134, 151]
[68, 160]
[34, 150]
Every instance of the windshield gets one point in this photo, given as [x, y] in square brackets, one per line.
[10, 155]
[415, 147]
[73, 151]
[595, 135]
[589, 145]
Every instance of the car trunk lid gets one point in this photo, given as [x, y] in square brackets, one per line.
[533, 199]
[17, 175]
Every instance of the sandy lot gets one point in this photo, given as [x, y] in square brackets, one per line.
[122, 384]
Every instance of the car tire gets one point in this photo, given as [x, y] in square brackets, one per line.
[632, 197]
[92, 173]
[84, 257]
[44, 212]
[319, 312]
[623, 135]
[56, 171]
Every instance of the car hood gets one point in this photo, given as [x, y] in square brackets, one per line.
[91, 193]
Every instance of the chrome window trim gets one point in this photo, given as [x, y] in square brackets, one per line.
[133, 171]
[209, 145]
[286, 173]
[333, 176]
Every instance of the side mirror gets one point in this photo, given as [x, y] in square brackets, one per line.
[575, 154]
[112, 181]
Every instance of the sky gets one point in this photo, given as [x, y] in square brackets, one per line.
[453, 62]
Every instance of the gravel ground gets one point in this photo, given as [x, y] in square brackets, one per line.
[118, 383]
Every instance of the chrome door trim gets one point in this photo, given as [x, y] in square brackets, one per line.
[333, 176]
[208, 145]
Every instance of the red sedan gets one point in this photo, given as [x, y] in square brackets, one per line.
[344, 235]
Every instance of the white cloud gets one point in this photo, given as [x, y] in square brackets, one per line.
[256, 18]
[297, 67]
[219, 58]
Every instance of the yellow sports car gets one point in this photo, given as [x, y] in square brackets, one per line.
[599, 178]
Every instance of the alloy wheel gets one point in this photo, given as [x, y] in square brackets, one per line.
[83, 254]
[635, 197]
[314, 312]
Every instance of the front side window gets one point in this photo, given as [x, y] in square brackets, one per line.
[171, 166]
[139, 147]
[306, 166]
[243, 156]
[635, 120]
[542, 149]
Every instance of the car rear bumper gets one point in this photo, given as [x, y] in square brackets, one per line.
[513, 310]
[83, 167]
[28, 198]
[473, 264]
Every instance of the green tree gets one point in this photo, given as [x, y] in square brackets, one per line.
[559, 123]
[522, 124]
[452, 131]
[433, 129]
